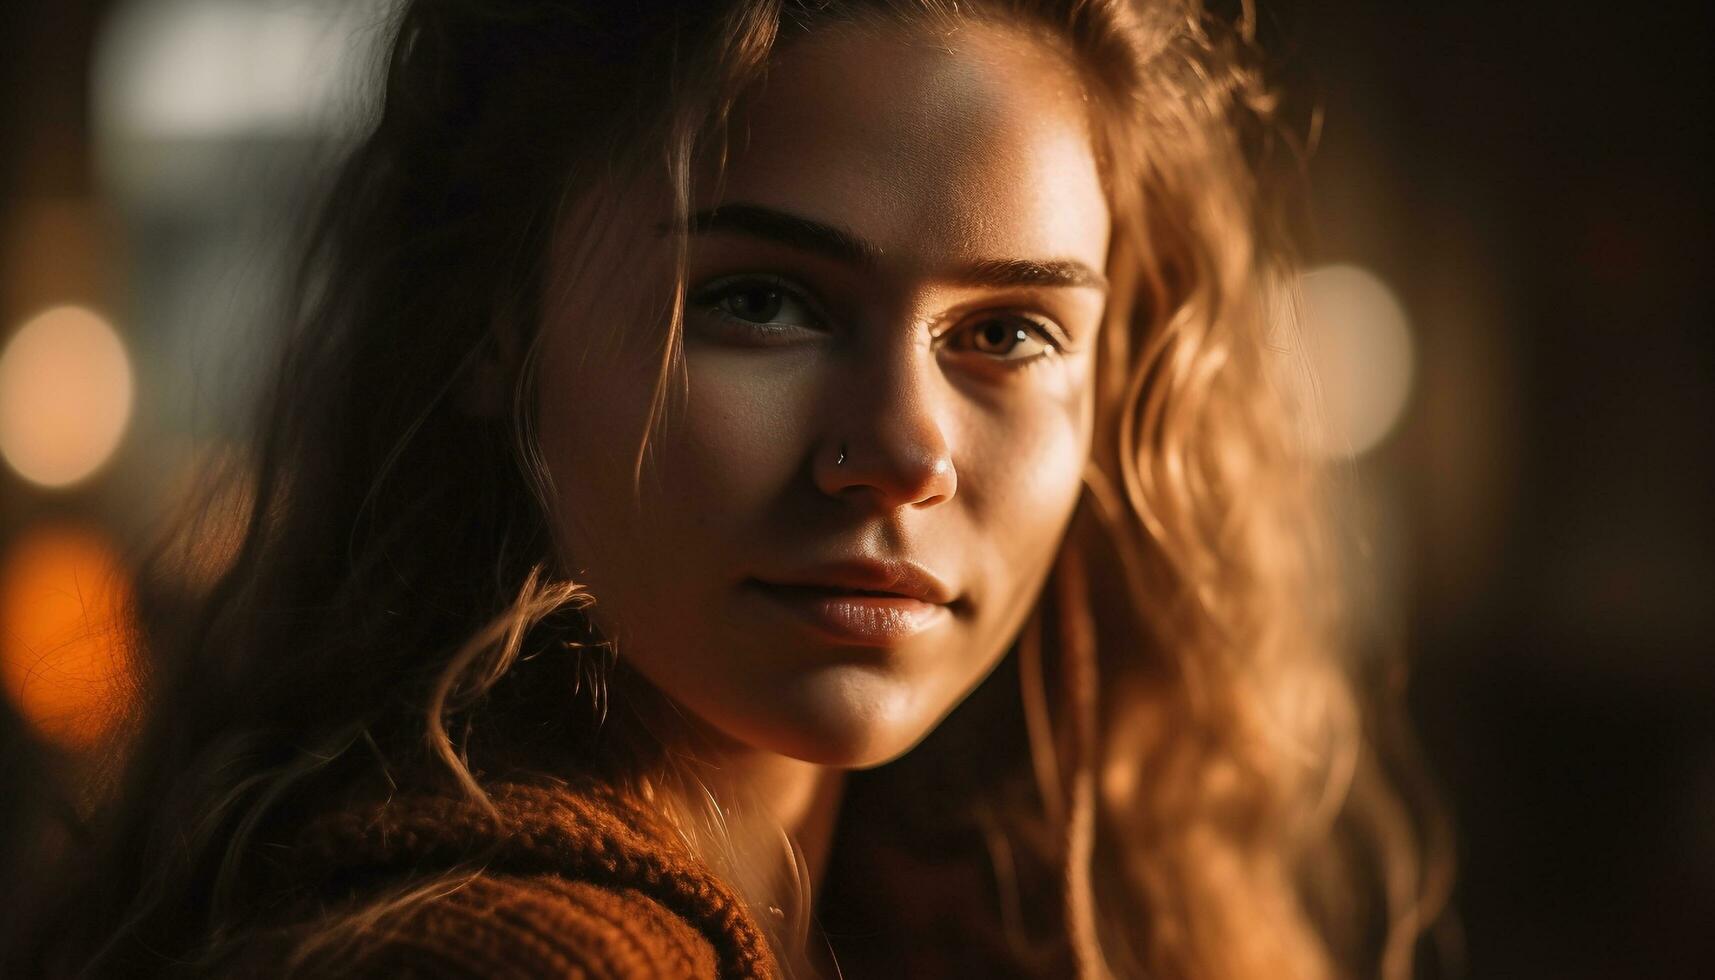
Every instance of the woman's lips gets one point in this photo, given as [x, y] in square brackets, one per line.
[854, 617]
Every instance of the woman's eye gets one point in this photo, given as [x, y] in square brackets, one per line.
[757, 304]
[760, 302]
[1009, 338]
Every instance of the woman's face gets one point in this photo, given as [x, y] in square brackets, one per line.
[889, 335]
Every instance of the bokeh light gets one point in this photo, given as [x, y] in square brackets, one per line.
[65, 599]
[1359, 342]
[65, 396]
[202, 70]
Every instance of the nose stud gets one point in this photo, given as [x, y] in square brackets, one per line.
[841, 459]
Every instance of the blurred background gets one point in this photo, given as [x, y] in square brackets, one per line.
[1510, 305]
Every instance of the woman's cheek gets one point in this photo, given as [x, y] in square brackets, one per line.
[1028, 451]
[741, 438]
[1026, 477]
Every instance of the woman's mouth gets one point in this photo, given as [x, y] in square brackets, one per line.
[856, 617]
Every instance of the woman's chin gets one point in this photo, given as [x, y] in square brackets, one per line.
[836, 730]
[855, 713]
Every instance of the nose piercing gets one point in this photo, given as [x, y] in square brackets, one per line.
[841, 461]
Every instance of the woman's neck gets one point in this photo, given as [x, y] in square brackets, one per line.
[802, 798]
[760, 794]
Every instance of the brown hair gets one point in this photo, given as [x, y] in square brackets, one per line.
[1189, 765]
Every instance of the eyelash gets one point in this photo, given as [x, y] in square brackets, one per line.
[709, 296]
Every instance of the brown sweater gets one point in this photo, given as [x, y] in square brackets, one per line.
[565, 883]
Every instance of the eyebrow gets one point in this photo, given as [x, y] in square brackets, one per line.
[795, 231]
[1028, 272]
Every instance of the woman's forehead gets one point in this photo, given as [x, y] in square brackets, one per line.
[947, 148]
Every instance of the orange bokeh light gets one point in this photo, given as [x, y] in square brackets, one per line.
[65, 604]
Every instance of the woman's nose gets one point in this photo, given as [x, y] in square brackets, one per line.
[887, 443]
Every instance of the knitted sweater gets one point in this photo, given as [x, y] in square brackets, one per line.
[562, 883]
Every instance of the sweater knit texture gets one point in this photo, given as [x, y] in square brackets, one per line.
[555, 882]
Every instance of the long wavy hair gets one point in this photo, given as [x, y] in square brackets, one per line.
[1186, 784]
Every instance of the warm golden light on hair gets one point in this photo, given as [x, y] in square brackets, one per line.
[65, 601]
[65, 396]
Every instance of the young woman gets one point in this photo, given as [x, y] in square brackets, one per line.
[773, 487]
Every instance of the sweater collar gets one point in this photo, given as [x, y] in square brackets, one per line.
[584, 833]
